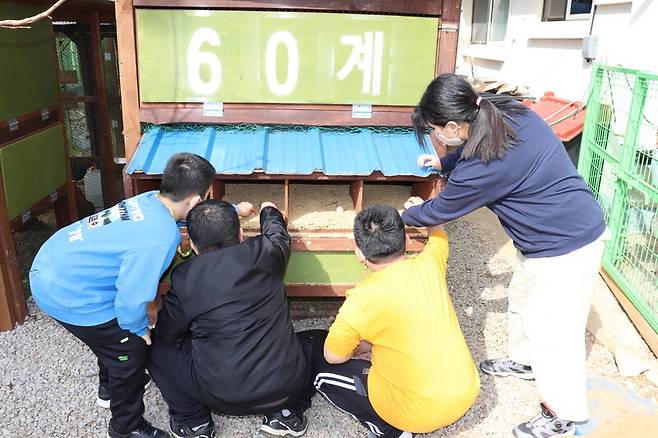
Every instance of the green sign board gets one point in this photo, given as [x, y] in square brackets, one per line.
[283, 57]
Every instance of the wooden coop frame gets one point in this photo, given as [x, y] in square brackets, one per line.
[24, 127]
[136, 112]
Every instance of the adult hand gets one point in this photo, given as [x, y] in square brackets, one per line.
[414, 200]
[245, 209]
[267, 204]
[429, 160]
[147, 336]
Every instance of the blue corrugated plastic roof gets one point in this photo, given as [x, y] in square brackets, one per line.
[284, 152]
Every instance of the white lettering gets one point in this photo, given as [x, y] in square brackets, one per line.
[196, 58]
[76, 235]
[134, 210]
[366, 56]
[286, 38]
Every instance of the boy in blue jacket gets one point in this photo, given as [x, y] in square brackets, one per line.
[96, 277]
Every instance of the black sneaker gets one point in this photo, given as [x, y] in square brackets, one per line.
[506, 367]
[284, 423]
[104, 398]
[545, 425]
[144, 431]
[205, 430]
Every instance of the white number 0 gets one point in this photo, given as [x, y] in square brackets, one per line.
[196, 58]
[286, 38]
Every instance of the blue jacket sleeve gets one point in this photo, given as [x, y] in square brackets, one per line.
[137, 285]
[471, 188]
[449, 161]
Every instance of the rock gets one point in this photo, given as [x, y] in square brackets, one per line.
[630, 362]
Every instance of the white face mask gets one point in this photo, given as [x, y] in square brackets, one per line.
[454, 141]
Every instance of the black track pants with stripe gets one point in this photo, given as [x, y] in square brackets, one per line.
[346, 386]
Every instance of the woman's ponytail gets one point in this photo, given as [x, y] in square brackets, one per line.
[489, 135]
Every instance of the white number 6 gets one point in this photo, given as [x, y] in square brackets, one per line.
[196, 58]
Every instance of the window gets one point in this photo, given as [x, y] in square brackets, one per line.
[489, 20]
[559, 10]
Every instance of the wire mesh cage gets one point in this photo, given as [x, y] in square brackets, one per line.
[619, 161]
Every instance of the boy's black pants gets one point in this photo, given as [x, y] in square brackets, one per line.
[345, 386]
[122, 360]
[172, 370]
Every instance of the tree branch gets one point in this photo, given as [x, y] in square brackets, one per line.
[22, 24]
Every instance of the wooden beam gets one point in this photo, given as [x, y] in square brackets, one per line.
[356, 193]
[406, 7]
[13, 308]
[315, 176]
[448, 36]
[317, 290]
[642, 326]
[423, 189]
[107, 155]
[57, 199]
[277, 114]
[302, 242]
[28, 124]
[128, 75]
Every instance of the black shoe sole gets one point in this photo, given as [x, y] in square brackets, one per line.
[508, 374]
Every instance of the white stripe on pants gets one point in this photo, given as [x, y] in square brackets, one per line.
[549, 302]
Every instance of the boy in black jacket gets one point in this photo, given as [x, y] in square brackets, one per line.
[224, 339]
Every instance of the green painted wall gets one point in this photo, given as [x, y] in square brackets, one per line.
[316, 268]
[32, 168]
[28, 71]
[323, 268]
[223, 56]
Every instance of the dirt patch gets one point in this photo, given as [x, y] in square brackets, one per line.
[316, 206]
[29, 240]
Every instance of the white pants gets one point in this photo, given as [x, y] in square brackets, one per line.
[549, 301]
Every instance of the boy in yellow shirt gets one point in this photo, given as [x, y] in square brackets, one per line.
[422, 376]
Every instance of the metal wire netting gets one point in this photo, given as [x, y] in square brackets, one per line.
[248, 127]
[619, 161]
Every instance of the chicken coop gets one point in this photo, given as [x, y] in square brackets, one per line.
[305, 104]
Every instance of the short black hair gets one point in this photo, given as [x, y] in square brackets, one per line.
[213, 225]
[185, 175]
[379, 233]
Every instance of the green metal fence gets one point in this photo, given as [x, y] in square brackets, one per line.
[619, 161]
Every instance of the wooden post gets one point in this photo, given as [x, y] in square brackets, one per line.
[13, 308]
[107, 155]
[62, 216]
[356, 193]
[217, 189]
[286, 199]
[448, 36]
[128, 76]
[641, 324]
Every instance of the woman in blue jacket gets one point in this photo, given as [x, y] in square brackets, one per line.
[510, 161]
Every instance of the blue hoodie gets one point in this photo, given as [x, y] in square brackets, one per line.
[107, 265]
[542, 202]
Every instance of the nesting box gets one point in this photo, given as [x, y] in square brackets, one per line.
[306, 104]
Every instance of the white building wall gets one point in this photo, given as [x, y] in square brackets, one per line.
[546, 56]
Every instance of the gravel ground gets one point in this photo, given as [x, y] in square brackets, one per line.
[48, 379]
